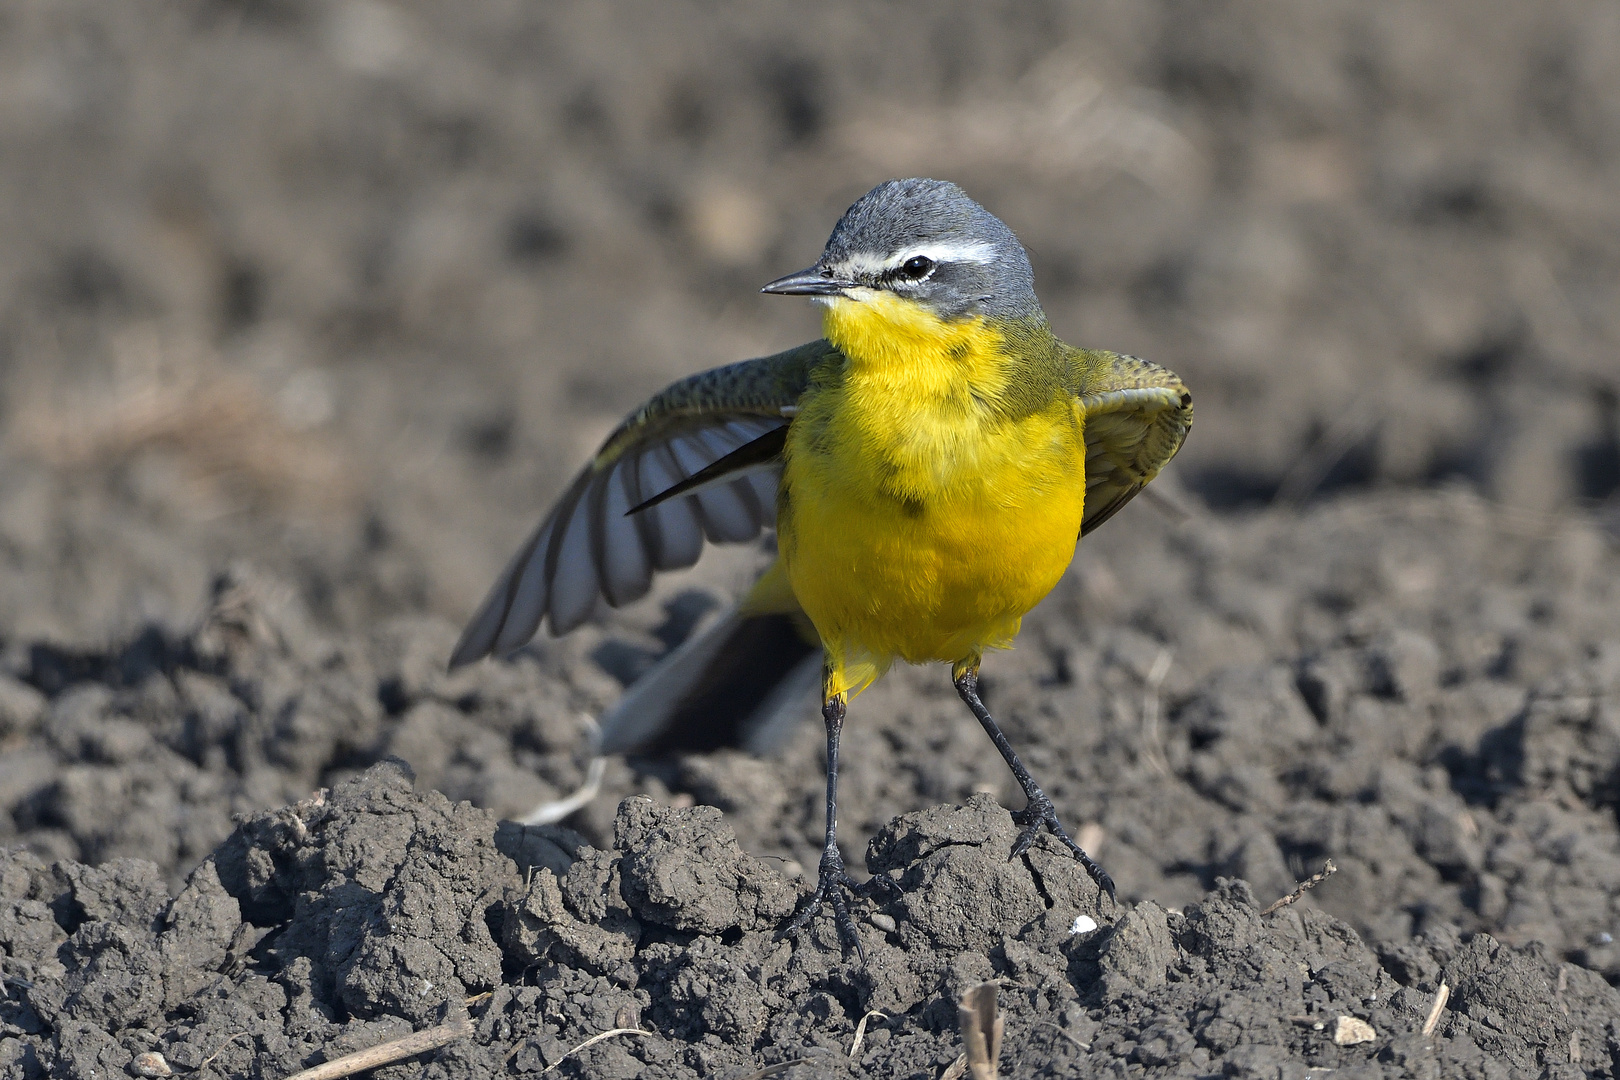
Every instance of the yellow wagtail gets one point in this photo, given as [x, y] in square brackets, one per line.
[929, 466]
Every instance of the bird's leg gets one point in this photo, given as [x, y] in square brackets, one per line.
[1039, 812]
[832, 881]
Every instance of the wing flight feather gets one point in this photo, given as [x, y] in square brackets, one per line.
[591, 546]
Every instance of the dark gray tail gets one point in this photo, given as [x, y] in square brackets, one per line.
[742, 681]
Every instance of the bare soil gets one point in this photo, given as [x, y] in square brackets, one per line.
[306, 310]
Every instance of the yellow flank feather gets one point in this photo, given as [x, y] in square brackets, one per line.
[932, 490]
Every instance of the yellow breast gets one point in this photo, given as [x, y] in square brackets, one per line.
[931, 495]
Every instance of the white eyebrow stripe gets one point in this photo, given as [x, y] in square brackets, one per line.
[975, 252]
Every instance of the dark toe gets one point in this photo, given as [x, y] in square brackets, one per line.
[832, 888]
[1043, 816]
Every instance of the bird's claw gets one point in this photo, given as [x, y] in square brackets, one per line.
[832, 885]
[1041, 814]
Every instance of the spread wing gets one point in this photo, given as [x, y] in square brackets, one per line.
[699, 461]
[1135, 416]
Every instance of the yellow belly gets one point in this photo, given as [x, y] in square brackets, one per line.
[880, 585]
[941, 573]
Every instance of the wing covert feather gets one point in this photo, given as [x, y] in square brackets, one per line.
[1135, 416]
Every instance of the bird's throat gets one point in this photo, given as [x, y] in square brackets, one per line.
[921, 409]
[899, 347]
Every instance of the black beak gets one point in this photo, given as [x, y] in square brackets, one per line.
[811, 282]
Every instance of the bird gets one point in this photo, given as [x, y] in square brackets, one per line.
[928, 465]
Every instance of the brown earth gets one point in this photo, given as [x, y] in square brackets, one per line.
[307, 309]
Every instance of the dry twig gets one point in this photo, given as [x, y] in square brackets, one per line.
[860, 1030]
[772, 1070]
[981, 1025]
[1441, 996]
[209, 1060]
[548, 813]
[1065, 1034]
[417, 1042]
[1327, 871]
[592, 1041]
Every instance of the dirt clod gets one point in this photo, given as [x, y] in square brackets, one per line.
[683, 869]
[394, 893]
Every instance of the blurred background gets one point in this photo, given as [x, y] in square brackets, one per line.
[350, 287]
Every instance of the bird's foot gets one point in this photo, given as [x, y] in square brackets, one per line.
[1041, 814]
[834, 887]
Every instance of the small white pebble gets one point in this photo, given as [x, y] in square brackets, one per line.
[883, 922]
[1350, 1031]
[150, 1065]
[427, 987]
[1083, 924]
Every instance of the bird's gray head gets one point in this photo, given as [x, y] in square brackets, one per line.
[926, 241]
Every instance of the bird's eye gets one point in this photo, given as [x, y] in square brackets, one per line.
[917, 267]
